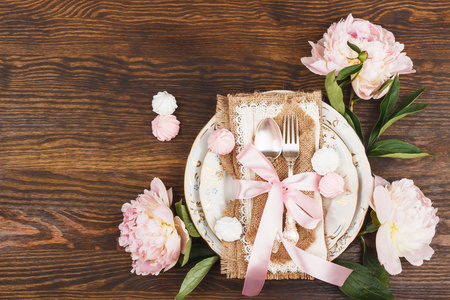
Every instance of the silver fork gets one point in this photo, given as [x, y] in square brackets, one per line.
[290, 152]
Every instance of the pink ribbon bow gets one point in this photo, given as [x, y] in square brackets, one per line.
[302, 208]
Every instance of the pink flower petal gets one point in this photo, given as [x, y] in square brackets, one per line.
[173, 245]
[383, 204]
[316, 66]
[165, 214]
[387, 253]
[377, 181]
[159, 188]
[182, 232]
[170, 196]
[416, 258]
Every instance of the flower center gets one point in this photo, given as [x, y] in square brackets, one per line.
[393, 229]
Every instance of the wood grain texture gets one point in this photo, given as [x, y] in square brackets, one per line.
[76, 82]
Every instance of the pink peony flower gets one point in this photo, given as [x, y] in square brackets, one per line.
[221, 141]
[165, 127]
[150, 233]
[385, 56]
[408, 223]
[331, 185]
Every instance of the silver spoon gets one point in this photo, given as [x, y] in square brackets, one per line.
[268, 140]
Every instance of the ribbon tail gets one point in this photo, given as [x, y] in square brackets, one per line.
[317, 267]
[270, 224]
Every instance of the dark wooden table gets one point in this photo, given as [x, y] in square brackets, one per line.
[76, 84]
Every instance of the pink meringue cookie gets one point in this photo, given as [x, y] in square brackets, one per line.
[165, 127]
[331, 185]
[221, 141]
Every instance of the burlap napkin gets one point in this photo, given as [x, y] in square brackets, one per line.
[241, 114]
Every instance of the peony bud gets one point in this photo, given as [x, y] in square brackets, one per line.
[362, 56]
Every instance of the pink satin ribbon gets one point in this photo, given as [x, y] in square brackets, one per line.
[302, 208]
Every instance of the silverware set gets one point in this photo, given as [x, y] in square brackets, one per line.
[270, 141]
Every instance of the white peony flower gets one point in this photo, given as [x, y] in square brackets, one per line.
[325, 160]
[228, 229]
[408, 224]
[164, 103]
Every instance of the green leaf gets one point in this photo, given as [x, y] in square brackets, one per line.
[408, 100]
[403, 113]
[347, 71]
[384, 86]
[374, 217]
[395, 149]
[388, 103]
[178, 207]
[200, 252]
[183, 213]
[371, 228]
[391, 97]
[349, 119]
[185, 258]
[370, 261]
[355, 123]
[361, 284]
[195, 276]
[334, 93]
[354, 47]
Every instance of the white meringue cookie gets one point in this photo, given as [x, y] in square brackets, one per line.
[228, 229]
[164, 103]
[325, 160]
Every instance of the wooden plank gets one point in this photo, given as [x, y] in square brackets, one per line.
[76, 83]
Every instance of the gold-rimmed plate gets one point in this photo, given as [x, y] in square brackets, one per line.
[217, 189]
[332, 121]
[192, 185]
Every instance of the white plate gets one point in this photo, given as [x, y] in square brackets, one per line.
[192, 185]
[217, 188]
[339, 238]
[336, 123]
[339, 211]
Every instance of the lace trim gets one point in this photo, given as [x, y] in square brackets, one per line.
[247, 118]
[245, 122]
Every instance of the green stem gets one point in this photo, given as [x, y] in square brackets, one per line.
[344, 84]
[352, 93]
[353, 101]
